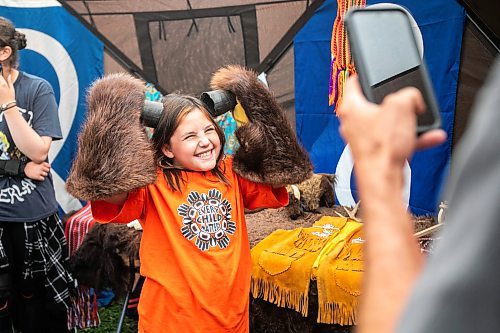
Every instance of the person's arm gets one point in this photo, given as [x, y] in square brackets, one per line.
[257, 195]
[18, 168]
[121, 207]
[382, 137]
[117, 199]
[34, 146]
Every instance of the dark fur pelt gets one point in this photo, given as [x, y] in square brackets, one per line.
[114, 154]
[269, 151]
[100, 262]
[266, 317]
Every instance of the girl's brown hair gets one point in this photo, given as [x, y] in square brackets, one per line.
[9, 36]
[175, 108]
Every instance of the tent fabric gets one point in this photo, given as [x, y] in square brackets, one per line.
[70, 58]
[441, 23]
[478, 56]
[485, 14]
[177, 45]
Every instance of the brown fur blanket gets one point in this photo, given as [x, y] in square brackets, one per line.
[114, 154]
[269, 151]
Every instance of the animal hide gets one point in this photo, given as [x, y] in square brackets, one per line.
[114, 154]
[99, 261]
[308, 196]
[269, 151]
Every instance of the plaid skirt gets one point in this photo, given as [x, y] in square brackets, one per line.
[46, 256]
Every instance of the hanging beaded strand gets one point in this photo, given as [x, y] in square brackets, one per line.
[341, 65]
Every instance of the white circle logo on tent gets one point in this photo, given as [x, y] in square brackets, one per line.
[60, 60]
[343, 173]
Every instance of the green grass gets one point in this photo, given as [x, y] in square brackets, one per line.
[109, 320]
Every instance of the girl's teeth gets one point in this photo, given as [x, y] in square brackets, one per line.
[204, 154]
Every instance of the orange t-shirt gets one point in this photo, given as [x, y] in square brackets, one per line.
[194, 251]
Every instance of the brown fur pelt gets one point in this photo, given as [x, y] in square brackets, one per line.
[315, 192]
[99, 261]
[114, 154]
[269, 151]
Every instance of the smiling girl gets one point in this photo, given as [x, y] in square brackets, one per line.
[194, 252]
[188, 196]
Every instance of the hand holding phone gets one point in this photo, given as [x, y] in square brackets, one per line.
[387, 58]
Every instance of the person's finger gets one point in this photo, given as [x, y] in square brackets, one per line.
[352, 84]
[431, 139]
[413, 97]
[353, 96]
[46, 164]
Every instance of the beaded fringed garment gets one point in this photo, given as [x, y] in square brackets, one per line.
[330, 252]
[341, 65]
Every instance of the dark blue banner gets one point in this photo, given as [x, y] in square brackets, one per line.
[441, 23]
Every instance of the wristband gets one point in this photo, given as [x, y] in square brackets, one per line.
[12, 168]
[8, 105]
[22, 165]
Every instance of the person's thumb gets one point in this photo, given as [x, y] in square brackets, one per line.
[431, 139]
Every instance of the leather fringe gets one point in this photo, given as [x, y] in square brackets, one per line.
[282, 297]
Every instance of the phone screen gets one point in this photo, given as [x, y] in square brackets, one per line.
[387, 58]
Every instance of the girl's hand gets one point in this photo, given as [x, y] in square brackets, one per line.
[37, 171]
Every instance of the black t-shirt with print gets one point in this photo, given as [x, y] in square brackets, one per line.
[26, 200]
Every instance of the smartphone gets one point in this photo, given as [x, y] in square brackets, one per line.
[386, 58]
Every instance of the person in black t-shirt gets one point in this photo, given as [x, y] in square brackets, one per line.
[34, 283]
